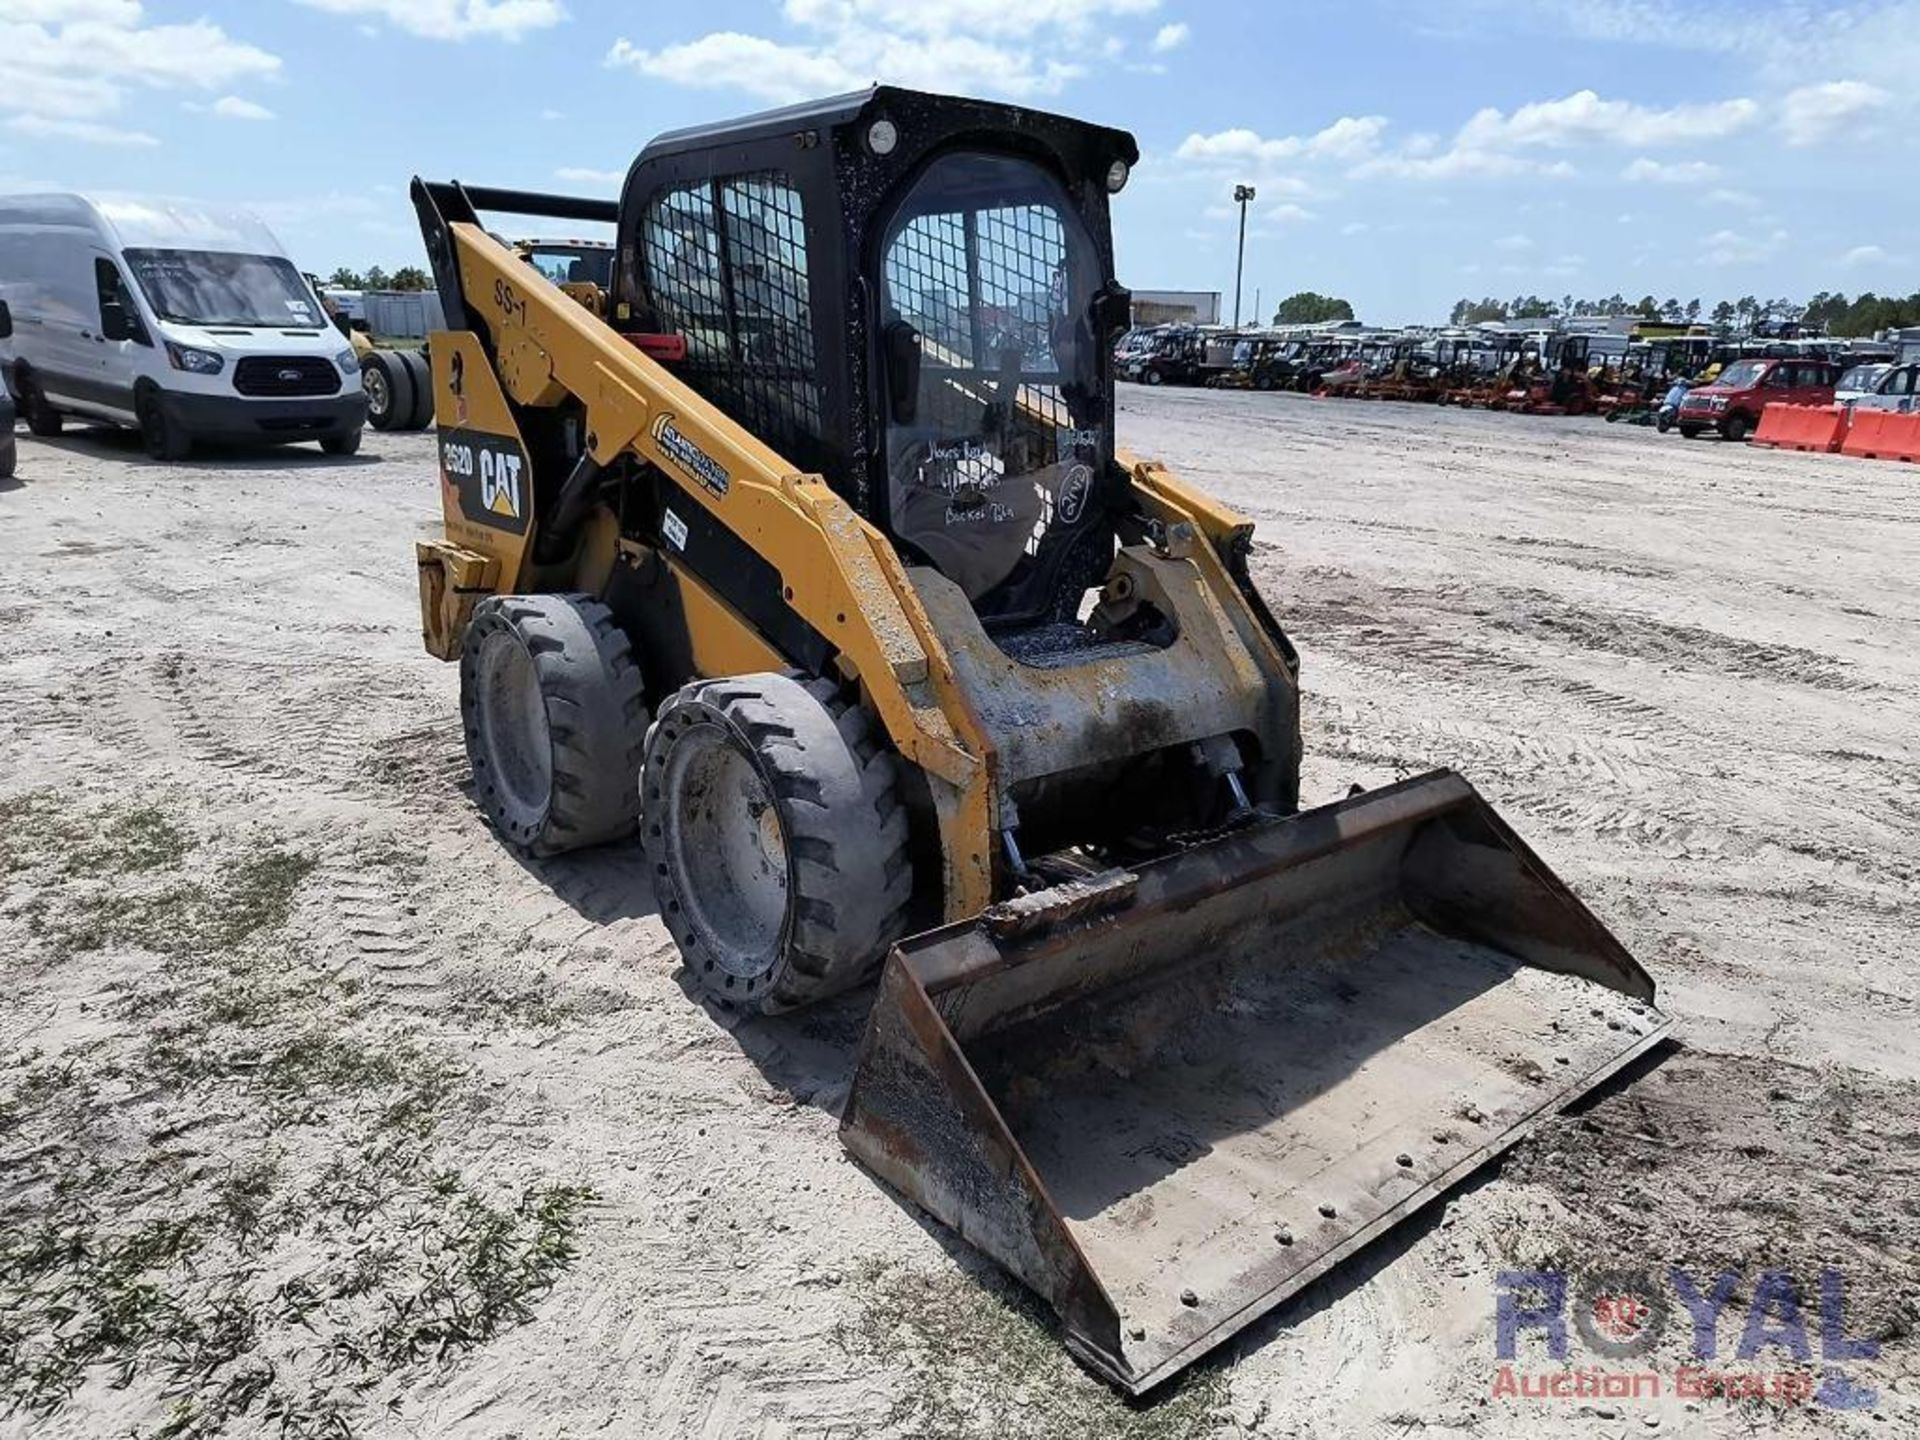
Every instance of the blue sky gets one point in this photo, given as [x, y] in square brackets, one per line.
[1404, 154]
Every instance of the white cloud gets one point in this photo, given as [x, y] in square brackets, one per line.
[1350, 138]
[1872, 257]
[982, 46]
[1354, 227]
[553, 114]
[70, 65]
[727, 59]
[1784, 40]
[1171, 37]
[1677, 172]
[1738, 247]
[1514, 242]
[1493, 144]
[454, 19]
[1737, 199]
[232, 107]
[1290, 214]
[59, 12]
[1584, 118]
[89, 131]
[996, 18]
[1816, 113]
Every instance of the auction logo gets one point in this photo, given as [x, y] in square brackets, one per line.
[1623, 1316]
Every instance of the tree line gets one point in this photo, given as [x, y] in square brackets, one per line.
[1310, 308]
[1864, 314]
[407, 277]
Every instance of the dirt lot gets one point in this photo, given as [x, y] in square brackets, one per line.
[321, 1114]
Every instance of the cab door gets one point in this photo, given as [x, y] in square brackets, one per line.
[116, 342]
[1897, 392]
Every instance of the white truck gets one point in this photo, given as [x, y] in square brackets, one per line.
[185, 321]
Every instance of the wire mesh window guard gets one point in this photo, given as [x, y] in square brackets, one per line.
[726, 267]
[986, 289]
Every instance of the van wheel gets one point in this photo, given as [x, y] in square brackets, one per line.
[346, 443]
[1153, 377]
[160, 432]
[1735, 428]
[389, 386]
[42, 419]
[421, 374]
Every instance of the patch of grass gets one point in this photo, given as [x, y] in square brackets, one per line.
[486, 1263]
[39, 829]
[178, 917]
[981, 1357]
[163, 1226]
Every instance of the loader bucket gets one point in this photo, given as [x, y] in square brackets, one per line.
[1168, 1116]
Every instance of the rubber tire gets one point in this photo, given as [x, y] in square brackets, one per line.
[9, 454]
[836, 794]
[1690, 432]
[420, 372]
[345, 443]
[1663, 423]
[1735, 427]
[595, 718]
[1153, 377]
[43, 421]
[399, 382]
[161, 436]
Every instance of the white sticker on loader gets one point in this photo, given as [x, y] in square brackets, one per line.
[674, 528]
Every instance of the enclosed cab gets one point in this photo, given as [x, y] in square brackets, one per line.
[1733, 403]
[186, 321]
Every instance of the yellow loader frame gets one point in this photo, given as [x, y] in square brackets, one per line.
[838, 572]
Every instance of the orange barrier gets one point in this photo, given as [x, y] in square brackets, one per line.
[1883, 435]
[1819, 428]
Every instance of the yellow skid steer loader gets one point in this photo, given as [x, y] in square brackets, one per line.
[807, 552]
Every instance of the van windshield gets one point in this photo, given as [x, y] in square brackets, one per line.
[213, 287]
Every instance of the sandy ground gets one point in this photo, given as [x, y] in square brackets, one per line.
[322, 1114]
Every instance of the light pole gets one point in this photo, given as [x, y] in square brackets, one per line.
[1241, 194]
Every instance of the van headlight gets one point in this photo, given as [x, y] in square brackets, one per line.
[348, 362]
[197, 362]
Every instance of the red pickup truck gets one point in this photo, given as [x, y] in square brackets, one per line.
[1732, 404]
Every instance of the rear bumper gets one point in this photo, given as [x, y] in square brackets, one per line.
[230, 417]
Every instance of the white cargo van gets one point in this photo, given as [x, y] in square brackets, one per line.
[185, 321]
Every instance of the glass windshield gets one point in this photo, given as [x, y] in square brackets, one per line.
[212, 287]
[1862, 377]
[573, 264]
[1742, 376]
[995, 443]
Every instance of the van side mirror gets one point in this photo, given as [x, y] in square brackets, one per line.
[902, 344]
